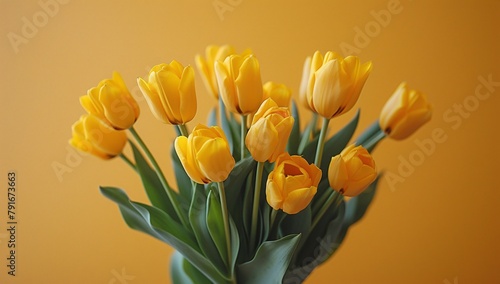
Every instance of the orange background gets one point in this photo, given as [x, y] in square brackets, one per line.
[439, 225]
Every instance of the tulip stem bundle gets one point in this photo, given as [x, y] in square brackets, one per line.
[183, 129]
[256, 201]
[161, 177]
[244, 119]
[321, 140]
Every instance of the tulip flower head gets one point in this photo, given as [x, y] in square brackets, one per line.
[352, 171]
[268, 135]
[205, 154]
[335, 83]
[170, 92]
[213, 53]
[292, 184]
[240, 83]
[405, 112]
[280, 93]
[111, 102]
[92, 135]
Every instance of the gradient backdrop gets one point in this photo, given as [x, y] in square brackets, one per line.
[436, 222]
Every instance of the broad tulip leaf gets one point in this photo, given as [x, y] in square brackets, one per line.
[317, 250]
[306, 135]
[294, 140]
[270, 262]
[299, 223]
[158, 224]
[215, 225]
[183, 272]
[198, 220]
[234, 185]
[368, 133]
[152, 185]
[356, 207]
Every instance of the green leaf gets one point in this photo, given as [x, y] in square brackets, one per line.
[306, 135]
[318, 248]
[333, 146]
[152, 185]
[158, 224]
[356, 207]
[270, 262]
[299, 223]
[184, 183]
[224, 122]
[235, 183]
[368, 133]
[215, 224]
[183, 272]
[294, 140]
[198, 220]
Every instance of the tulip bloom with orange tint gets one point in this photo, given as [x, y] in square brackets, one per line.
[352, 171]
[335, 83]
[240, 84]
[405, 112]
[111, 102]
[268, 135]
[205, 154]
[280, 93]
[292, 184]
[92, 135]
[213, 53]
[170, 92]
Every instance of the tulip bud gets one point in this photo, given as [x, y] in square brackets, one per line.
[405, 112]
[205, 154]
[213, 54]
[292, 184]
[170, 92]
[111, 102]
[335, 83]
[352, 171]
[280, 93]
[240, 84]
[92, 135]
[268, 135]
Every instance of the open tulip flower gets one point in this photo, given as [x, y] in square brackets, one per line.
[268, 217]
[111, 102]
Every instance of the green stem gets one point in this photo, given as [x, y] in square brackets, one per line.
[161, 177]
[255, 209]
[321, 142]
[128, 161]
[243, 135]
[334, 197]
[225, 219]
[374, 140]
[183, 130]
[314, 121]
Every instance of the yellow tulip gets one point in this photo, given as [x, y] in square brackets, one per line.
[280, 93]
[335, 83]
[292, 184]
[268, 135]
[352, 171]
[92, 135]
[111, 102]
[205, 154]
[213, 54]
[240, 84]
[170, 92]
[404, 112]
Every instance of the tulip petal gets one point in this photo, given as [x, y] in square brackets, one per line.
[328, 92]
[117, 109]
[168, 91]
[298, 199]
[262, 139]
[182, 150]
[215, 160]
[227, 89]
[337, 173]
[187, 92]
[273, 195]
[249, 86]
[153, 101]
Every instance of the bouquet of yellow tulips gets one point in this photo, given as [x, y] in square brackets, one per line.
[258, 200]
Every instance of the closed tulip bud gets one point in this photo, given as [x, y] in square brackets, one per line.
[280, 93]
[240, 84]
[292, 184]
[170, 92]
[92, 135]
[205, 154]
[335, 83]
[352, 171]
[111, 102]
[268, 135]
[404, 112]
[205, 65]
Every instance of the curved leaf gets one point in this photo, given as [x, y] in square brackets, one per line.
[294, 140]
[215, 225]
[357, 206]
